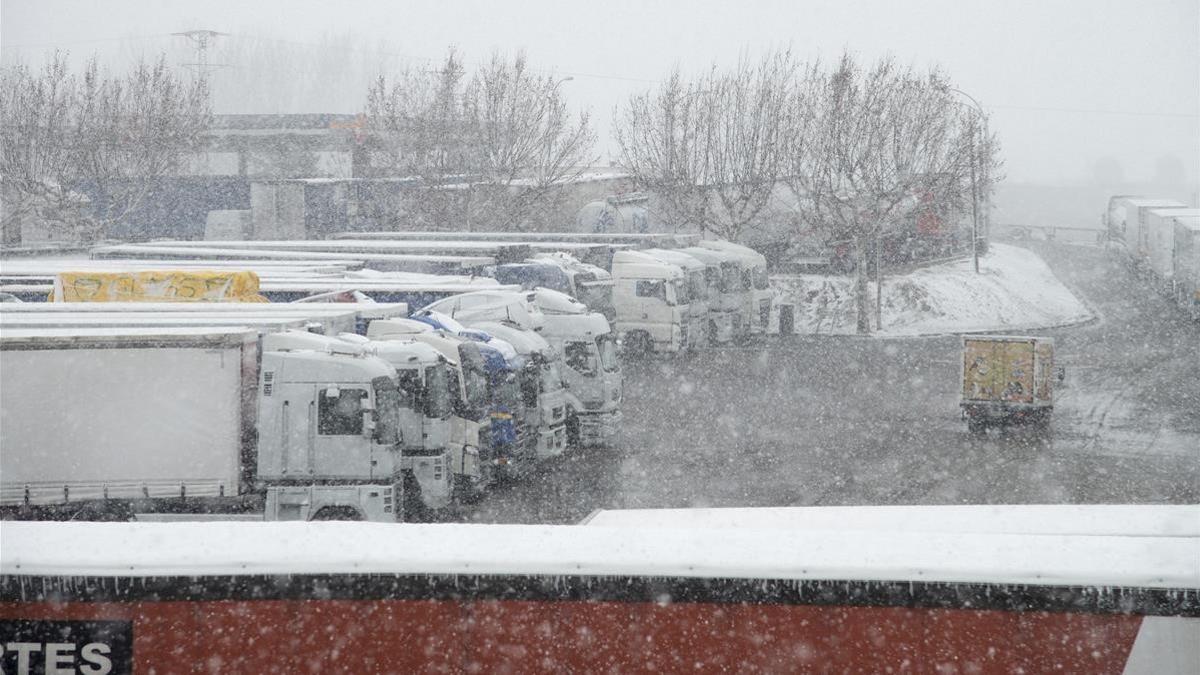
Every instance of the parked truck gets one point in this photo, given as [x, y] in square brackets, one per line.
[103, 423]
[1007, 380]
[652, 304]
[591, 370]
[1160, 243]
[544, 411]
[1185, 265]
[470, 425]
[754, 280]
[1125, 220]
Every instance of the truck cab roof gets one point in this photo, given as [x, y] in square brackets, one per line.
[641, 265]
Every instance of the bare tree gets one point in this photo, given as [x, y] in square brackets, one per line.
[712, 150]
[871, 143]
[489, 151]
[64, 136]
[663, 139]
[746, 142]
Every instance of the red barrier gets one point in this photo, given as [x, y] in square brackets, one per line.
[371, 636]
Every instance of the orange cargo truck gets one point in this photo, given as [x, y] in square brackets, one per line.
[1007, 380]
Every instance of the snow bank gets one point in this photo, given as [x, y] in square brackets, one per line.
[1145, 560]
[1014, 290]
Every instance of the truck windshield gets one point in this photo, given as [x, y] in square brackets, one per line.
[760, 279]
[580, 357]
[680, 289]
[696, 285]
[607, 344]
[387, 410]
[438, 398]
[733, 281]
[408, 381]
[551, 377]
[506, 391]
[712, 278]
[475, 382]
[597, 295]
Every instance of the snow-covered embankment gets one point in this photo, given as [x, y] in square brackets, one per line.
[1014, 290]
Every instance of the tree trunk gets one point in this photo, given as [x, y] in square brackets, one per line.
[862, 297]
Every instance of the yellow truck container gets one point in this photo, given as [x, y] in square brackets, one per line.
[1007, 380]
[157, 286]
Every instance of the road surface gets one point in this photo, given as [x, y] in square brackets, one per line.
[847, 421]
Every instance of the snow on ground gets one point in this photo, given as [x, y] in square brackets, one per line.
[1014, 290]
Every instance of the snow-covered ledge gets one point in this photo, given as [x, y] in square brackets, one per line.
[1014, 290]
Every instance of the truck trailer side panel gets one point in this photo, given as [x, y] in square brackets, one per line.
[86, 423]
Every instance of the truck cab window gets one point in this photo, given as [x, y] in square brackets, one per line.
[652, 289]
[579, 357]
[340, 415]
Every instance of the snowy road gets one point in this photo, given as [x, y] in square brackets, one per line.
[846, 421]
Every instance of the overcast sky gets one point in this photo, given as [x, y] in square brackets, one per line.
[1066, 83]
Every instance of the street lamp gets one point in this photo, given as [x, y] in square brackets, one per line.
[547, 142]
[974, 182]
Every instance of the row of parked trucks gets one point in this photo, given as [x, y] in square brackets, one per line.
[662, 293]
[332, 400]
[301, 410]
[1161, 239]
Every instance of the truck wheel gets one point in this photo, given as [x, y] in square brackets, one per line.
[413, 509]
[976, 427]
[638, 344]
[572, 430]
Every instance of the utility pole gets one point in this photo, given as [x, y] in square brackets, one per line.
[981, 116]
[201, 38]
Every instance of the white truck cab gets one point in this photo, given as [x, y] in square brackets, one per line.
[591, 371]
[734, 290]
[699, 327]
[423, 377]
[723, 306]
[515, 306]
[652, 302]
[754, 281]
[467, 433]
[329, 442]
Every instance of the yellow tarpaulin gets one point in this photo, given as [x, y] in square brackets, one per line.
[156, 286]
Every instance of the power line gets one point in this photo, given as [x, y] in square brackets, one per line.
[20, 45]
[1095, 111]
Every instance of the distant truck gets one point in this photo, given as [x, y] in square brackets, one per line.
[1007, 380]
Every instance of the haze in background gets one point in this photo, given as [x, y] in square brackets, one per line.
[1088, 98]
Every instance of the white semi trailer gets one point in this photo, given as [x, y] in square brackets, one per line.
[210, 422]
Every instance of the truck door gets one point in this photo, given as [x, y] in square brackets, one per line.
[296, 427]
[342, 450]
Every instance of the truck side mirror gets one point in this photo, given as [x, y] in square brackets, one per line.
[1061, 373]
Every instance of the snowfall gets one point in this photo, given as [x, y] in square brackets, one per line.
[1014, 290]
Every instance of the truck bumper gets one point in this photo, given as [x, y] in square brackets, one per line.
[599, 429]
[552, 441]
[1006, 413]
[434, 476]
